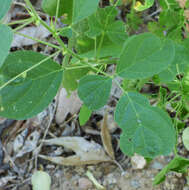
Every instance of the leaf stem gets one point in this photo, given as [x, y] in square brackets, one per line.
[39, 41]
[54, 33]
[23, 25]
[18, 21]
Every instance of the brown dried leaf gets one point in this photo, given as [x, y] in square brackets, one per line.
[67, 105]
[106, 138]
[181, 3]
[186, 14]
[86, 152]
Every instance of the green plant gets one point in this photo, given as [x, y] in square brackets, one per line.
[29, 80]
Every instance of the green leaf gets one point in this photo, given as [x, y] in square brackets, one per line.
[5, 5]
[178, 65]
[65, 7]
[99, 21]
[169, 4]
[185, 138]
[178, 164]
[147, 130]
[33, 91]
[145, 55]
[5, 42]
[147, 4]
[104, 22]
[66, 32]
[86, 47]
[110, 42]
[83, 8]
[71, 77]
[84, 114]
[94, 90]
[116, 32]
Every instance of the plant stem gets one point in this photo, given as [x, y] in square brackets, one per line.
[54, 33]
[38, 40]
[23, 25]
[18, 21]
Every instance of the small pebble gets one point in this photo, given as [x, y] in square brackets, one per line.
[84, 184]
[157, 166]
[135, 184]
[138, 162]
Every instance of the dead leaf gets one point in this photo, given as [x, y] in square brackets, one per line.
[22, 146]
[106, 138]
[67, 104]
[181, 3]
[85, 152]
[186, 14]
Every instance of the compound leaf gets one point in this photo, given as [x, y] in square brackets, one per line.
[5, 42]
[5, 5]
[94, 90]
[32, 91]
[147, 130]
[145, 55]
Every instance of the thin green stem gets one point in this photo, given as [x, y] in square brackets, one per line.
[106, 24]
[23, 25]
[54, 33]
[18, 21]
[39, 41]
[57, 11]
[29, 69]
[67, 56]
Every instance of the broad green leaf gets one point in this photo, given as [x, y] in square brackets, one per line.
[94, 90]
[32, 91]
[84, 114]
[146, 130]
[71, 77]
[144, 55]
[178, 65]
[83, 8]
[5, 42]
[65, 8]
[178, 164]
[86, 47]
[147, 4]
[5, 5]
[99, 21]
[185, 138]
[41, 180]
[116, 32]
